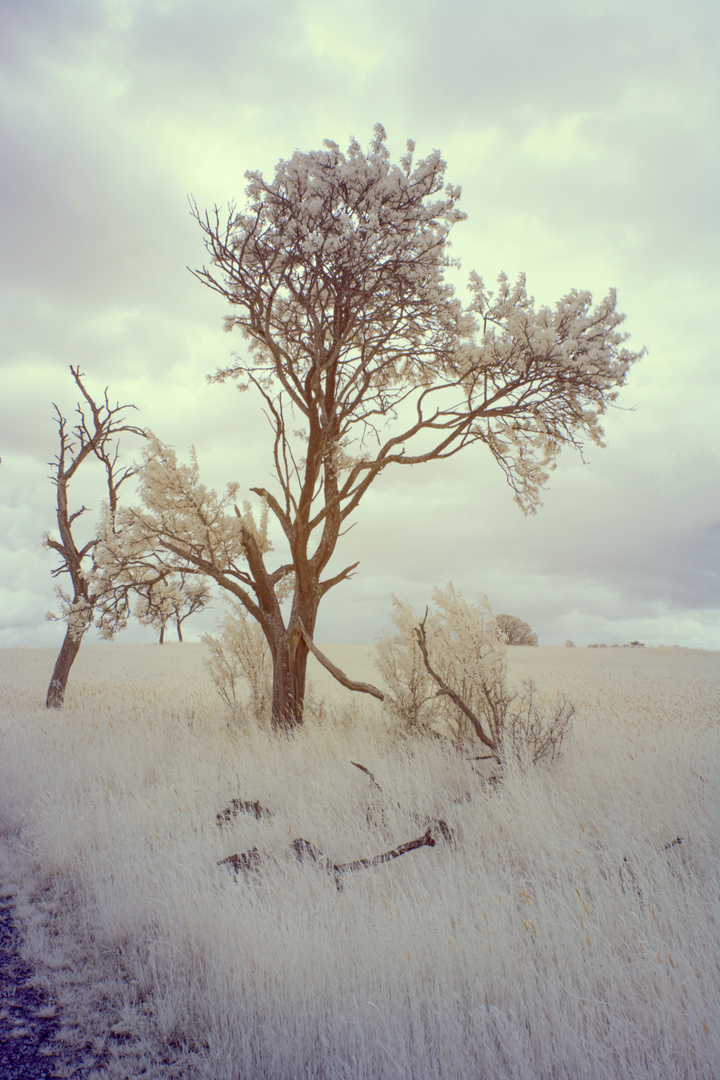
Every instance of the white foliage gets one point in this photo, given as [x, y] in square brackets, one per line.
[465, 647]
[181, 529]
[196, 516]
[76, 614]
[515, 631]
[468, 653]
[240, 664]
[410, 693]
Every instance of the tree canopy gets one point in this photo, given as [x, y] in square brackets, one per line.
[364, 357]
[515, 631]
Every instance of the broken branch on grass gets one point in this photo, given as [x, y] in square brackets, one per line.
[367, 773]
[303, 851]
[426, 840]
[247, 860]
[240, 806]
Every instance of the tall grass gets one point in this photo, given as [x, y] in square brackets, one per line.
[559, 937]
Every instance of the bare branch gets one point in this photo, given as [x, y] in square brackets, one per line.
[342, 678]
[445, 689]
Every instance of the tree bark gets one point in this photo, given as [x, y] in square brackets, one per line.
[61, 671]
[289, 655]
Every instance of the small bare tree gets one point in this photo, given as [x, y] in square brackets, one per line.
[94, 435]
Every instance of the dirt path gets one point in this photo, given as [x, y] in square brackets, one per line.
[64, 1013]
[28, 1018]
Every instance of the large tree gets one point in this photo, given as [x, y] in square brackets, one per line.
[364, 358]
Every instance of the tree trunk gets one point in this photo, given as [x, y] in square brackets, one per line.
[68, 652]
[289, 673]
[162, 636]
[180, 637]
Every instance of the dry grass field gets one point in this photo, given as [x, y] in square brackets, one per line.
[569, 931]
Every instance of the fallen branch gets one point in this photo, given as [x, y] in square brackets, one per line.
[303, 851]
[426, 840]
[367, 773]
[238, 806]
[430, 823]
[248, 860]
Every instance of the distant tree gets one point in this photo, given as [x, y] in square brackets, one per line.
[515, 631]
[569, 644]
[170, 600]
[363, 359]
[95, 435]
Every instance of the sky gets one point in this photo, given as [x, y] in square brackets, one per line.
[585, 139]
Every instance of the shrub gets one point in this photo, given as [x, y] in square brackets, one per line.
[449, 670]
[240, 665]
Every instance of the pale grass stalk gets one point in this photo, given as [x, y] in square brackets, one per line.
[521, 952]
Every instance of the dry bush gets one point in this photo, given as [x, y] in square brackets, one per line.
[533, 735]
[240, 665]
[448, 671]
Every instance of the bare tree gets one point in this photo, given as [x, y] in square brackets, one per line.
[515, 631]
[364, 359]
[95, 435]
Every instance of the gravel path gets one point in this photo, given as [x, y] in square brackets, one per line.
[72, 1020]
[29, 1020]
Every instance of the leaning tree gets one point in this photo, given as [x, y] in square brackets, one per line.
[94, 436]
[363, 359]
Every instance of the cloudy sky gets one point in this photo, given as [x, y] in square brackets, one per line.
[585, 138]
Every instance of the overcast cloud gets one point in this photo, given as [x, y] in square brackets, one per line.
[585, 140]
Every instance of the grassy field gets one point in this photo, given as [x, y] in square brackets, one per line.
[563, 934]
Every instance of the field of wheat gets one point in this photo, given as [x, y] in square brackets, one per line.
[565, 928]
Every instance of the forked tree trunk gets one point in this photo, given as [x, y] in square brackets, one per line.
[61, 672]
